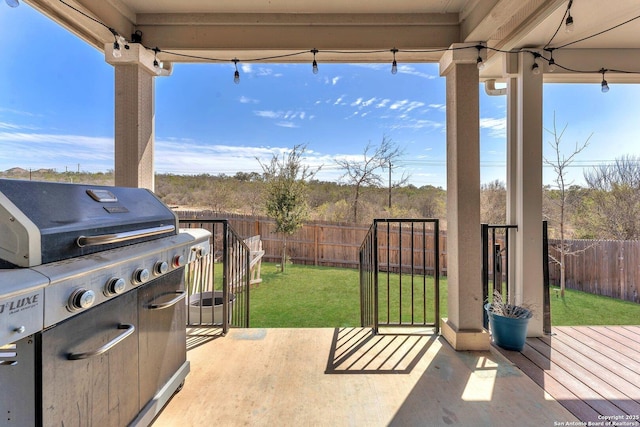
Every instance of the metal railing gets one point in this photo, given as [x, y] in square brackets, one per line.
[400, 274]
[218, 284]
[496, 254]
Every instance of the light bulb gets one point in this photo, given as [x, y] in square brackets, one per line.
[315, 63]
[552, 65]
[604, 86]
[394, 64]
[480, 63]
[116, 50]
[535, 68]
[236, 77]
[568, 24]
[13, 3]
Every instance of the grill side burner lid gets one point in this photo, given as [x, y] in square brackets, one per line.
[42, 222]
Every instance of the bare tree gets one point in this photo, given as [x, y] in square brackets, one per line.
[286, 188]
[367, 172]
[493, 202]
[560, 164]
[615, 197]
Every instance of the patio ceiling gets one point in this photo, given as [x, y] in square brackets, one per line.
[245, 29]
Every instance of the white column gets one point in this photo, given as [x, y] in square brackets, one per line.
[512, 175]
[463, 328]
[529, 278]
[135, 114]
[134, 127]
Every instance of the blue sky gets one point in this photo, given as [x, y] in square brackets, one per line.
[57, 111]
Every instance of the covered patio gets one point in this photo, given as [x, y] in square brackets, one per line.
[349, 377]
[346, 376]
[520, 43]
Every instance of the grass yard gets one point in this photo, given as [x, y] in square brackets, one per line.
[581, 308]
[318, 297]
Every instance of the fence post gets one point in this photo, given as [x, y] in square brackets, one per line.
[485, 271]
[375, 276]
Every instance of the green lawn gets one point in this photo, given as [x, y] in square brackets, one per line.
[314, 297]
[581, 308]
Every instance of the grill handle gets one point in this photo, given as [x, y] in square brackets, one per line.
[129, 329]
[179, 297]
[105, 239]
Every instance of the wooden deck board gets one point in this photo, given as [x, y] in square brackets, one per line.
[591, 371]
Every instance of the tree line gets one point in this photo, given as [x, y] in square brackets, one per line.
[607, 207]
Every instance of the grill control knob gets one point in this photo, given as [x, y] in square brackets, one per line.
[161, 267]
[178, 261]
[141, 275]
[115, 286]
[81, 298]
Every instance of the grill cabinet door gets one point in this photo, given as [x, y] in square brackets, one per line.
[101, 390]
[163, 340]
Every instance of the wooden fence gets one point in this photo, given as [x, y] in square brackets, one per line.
[602, 267]
[316, 243]
[610, 268]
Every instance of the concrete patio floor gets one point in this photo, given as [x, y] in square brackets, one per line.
[349, 377]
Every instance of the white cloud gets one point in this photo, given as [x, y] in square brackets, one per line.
[383, 103]
[407, 69]
[287, 125]
[413, 105]
[267, 114]
[13, 126]
[51, 151]
[439, 107]
[335, 80]
[339, 101]
[399, 104]
[356, 102]
[246, 100]
[286, 116]
[497, 127]
[246, 68]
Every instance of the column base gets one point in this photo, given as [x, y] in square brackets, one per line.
[462, 340]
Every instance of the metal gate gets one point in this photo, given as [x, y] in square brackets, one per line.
[400, 274]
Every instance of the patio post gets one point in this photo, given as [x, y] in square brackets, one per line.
[463, 329]
[528, 192]
[134, 116]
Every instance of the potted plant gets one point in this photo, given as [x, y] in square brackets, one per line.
[508, 323]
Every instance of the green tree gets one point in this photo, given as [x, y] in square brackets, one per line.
[286, 192]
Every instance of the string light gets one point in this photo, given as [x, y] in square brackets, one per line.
[117, 41]
[604, 86]
[236, 75]
[315, 63]
[394, 64]
[156, 64]
[568, 23]
[567, 19]
[552, 63]
[479, 61]
[535, 68]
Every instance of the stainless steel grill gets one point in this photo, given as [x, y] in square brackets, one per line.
[91, 303]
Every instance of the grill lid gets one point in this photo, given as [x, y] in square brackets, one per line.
[42, 222]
